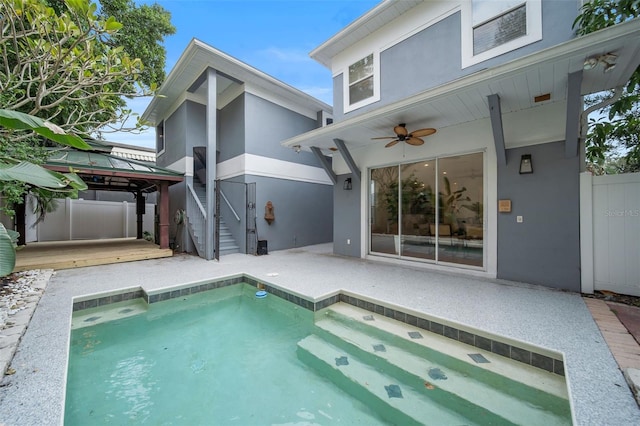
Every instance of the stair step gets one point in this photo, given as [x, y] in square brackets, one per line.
[460, 382]
[394, 401]
[227, 242]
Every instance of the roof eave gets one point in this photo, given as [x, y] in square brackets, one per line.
[324, 53]
[626, 29]
[197, 47]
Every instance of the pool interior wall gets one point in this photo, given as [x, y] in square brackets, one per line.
[537, 357]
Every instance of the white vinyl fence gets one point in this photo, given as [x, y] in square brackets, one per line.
[610, 233]
[89, 219]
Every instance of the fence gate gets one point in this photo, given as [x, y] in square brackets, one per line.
[610, 233]
[252, 233]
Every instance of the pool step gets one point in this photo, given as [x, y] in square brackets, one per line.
[394, 401]
[419, 371]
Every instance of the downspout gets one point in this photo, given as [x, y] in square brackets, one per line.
[584, 125]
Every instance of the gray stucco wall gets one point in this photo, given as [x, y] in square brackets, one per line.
[268, 124]
[303, 212]
[346, 218]
[250, 124]
[174, 131]
[183, 130]
[432, 57]
[545, 248]
[196, 131]
[231, 129]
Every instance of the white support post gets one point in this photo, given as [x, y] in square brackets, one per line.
[212, 145]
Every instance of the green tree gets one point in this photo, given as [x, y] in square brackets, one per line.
[612, 141]
[25, 175]
[65, 68]
[144, 28]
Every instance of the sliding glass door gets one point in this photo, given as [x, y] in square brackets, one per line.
[418, 209]
[383, 200]
[431, 210]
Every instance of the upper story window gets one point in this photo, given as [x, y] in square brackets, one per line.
[160, 138]
[493, 27]
[362, 82]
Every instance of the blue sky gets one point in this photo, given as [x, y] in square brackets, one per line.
[273, 36]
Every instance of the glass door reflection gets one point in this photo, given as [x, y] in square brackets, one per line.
[418, 209]
[384, 210]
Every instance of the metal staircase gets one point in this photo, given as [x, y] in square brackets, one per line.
[196, 215]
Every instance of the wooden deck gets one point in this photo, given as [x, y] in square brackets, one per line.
[80, 253]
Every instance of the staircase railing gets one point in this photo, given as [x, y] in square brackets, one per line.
[224, 197]
[197, 216]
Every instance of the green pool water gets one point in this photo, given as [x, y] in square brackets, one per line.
[225, 357]
[219, 357]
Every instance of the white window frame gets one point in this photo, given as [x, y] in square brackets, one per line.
[161, 136]
[376, 84]
[534, 33]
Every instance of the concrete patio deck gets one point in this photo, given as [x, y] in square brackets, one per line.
[551, 319]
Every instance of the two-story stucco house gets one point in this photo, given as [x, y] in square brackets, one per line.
[220, 121]
[458, 127]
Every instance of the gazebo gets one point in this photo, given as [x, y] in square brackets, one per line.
[103, 171]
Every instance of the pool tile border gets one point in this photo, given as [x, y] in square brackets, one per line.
[514, 352]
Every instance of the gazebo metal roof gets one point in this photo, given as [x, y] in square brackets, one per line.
[102, 171]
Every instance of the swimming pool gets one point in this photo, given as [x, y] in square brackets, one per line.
[225, 357]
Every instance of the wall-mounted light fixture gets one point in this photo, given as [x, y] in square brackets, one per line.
[297, 149]
[347, 184]
[607, 60]
[526, 166]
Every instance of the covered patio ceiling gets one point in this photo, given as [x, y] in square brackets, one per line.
[517, 83]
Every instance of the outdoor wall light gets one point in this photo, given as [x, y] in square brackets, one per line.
[607, 60]
[526, 166]
[347, 184]
[297, 148]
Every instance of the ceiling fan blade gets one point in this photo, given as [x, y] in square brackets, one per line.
[386, 137]
[392, 143]
[414, 141]
[423, 132]
[400, 130]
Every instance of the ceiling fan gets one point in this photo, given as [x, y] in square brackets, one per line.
[403, 135]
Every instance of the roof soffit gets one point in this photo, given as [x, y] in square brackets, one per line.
[516, 82]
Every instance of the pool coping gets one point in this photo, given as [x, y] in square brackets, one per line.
[533, 355]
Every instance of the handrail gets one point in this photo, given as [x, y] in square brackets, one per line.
[197, 200]
[230, 206]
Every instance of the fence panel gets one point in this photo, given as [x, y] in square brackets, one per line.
[615, 233]
[89, 219]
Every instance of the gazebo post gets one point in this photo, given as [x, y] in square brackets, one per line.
[164, 215]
